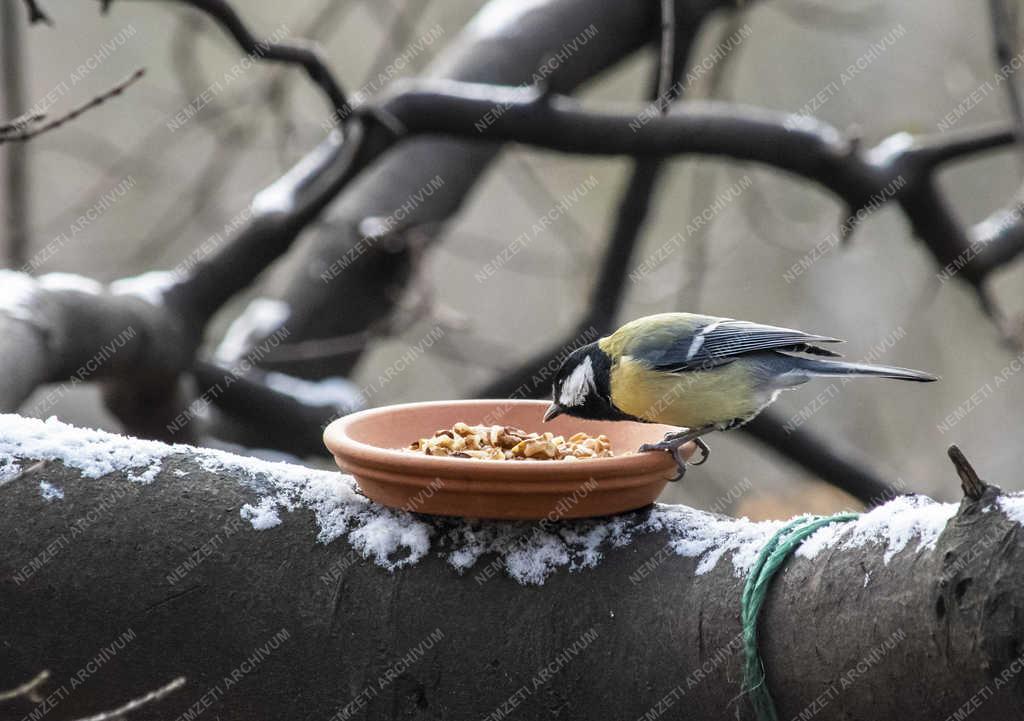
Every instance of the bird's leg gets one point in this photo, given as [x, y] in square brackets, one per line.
[674, 442]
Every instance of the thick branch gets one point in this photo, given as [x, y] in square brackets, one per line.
[57, 331]
[915, 603]
[900, 168]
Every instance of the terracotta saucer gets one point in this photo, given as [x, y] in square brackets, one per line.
[366, 444]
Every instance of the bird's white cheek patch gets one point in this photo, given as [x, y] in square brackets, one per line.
[578, 385]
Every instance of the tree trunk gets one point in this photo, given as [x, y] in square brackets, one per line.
[121, 585]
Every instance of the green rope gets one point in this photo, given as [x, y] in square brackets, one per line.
[768, 562]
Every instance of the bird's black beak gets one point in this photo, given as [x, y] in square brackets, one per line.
[553, 411]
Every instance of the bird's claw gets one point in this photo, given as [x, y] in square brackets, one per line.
[677, 455]
[674, 445]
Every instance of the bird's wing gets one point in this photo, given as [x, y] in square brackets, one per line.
[719, 341]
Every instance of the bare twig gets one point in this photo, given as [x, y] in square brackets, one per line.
[27, 689]
[972, 485]
[296, 52]
[22, 121]
[136, 703]
[278, 88]
[29, 133]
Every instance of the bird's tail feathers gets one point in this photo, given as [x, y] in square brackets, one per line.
[815, 367]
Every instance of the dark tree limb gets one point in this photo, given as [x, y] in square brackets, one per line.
[160, 558]
[271, 419]
[306, 55]
[800, 146]
[57, 334]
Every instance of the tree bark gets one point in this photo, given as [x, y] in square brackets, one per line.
[274, 624]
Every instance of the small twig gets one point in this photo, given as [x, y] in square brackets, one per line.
[36, 13]
[26, 689]
[21, 122]
[150, 697]
[30, 133]
[307, 55]
[973, 486]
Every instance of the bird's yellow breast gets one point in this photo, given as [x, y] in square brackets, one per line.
[690, 399]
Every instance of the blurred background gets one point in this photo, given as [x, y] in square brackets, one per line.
[881, 292]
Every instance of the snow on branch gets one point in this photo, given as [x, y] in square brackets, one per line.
[529, 552]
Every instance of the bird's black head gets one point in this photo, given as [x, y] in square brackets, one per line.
[582, 386]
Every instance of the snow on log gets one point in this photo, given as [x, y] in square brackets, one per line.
[279, 591]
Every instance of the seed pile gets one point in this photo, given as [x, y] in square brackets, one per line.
[507, 443]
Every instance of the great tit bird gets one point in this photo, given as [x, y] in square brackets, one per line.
[697, 372]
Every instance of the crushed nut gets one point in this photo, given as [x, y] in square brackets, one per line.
[507, 443]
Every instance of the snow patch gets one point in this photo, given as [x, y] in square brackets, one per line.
[497, 16]
[94, 453]
[339, 393]
[894, 524]
[16, 291]
[530, 552]
[70, 281]
[49, 491]
[260, 319]
[149, 286]
[1013, 507]
[9, 470]
[263, 515]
